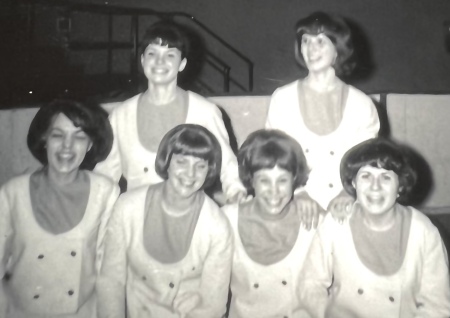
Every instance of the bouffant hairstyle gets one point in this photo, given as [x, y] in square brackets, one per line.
[337, 30]
[190, 140]
[166, 33]
[265, 149]
[90, 117]
[380, 153]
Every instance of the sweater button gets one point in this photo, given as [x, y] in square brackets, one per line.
[41, 256]
[360, 291]
[144, 278]
[145, 169]
[284, 282]
[330, 185]
[306, 150]
[391, 299]
[171, 285]
[256, 285]
[70, 292]
[73, 253]
[36, 296]
[331, 152]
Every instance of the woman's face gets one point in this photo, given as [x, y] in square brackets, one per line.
[273, 189]
[187, 174]
[161, 64]
[66, 145]
[376, 189]
[318, 52]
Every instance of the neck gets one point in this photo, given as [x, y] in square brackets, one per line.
[322, 81]
[161, 94]
[379, 222]
[62, 179]
[174, 204]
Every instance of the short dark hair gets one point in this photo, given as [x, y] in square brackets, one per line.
[380, 153]
[168, 33]
[337, 30]
[190, 140]
[265, 149]
[90, 117]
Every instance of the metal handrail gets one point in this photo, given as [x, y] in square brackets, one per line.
[135, 13]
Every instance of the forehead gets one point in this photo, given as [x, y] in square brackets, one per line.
[187, 157]
[374, 170]
[316, 37]
[154, 46]
[272, 172]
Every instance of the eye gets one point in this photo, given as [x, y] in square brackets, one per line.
[55, 134]
[386, 177]
[202, 166]
[304, 40]
[364, 176]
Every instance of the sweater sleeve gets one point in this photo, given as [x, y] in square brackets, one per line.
[317, 273]
[112, 165]
[111, 195]
[216, 272]
[229, 173]
[367, 119]
[6, 233]
[433, 295]
[113, 274]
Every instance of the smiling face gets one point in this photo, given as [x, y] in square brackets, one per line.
[161, 64]
[187, 174]
[273, 189]
[66, 146]
[376, 189]
[318, 52]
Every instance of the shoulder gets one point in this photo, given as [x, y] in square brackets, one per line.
[286, 89]
[419, 221]
[125, 106]
[231, 211]
[356, 94]
[133, 199]
[196, 100]
[102, 182]
[17, 183]
[214, 216]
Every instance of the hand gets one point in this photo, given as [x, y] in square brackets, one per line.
[341, 206]
[308, 209]
[185, 303]
[238, 195]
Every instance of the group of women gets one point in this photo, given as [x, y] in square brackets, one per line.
[71, 247]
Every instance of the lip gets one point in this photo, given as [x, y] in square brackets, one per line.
[159, 70]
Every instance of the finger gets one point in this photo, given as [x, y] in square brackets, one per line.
[316, 219]
[308, 220]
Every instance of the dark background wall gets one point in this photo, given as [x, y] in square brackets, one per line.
[405, 37]
[401, 42]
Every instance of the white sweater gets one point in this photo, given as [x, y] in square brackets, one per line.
[51, 275]
[324, 153]
[420, 288]
[130, 158]
[152, 288]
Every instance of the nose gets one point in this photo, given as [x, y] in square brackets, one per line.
[67, 142]
[159, 59]
[375, 183]
[190, 171]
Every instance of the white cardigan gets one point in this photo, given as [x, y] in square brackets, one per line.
[152, 288]
[420, 288]
[137, 164]
[51, 275]
[266, 291]
[324, 153]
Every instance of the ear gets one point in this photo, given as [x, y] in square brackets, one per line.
[142, 59]
[182, 65]
[90, 146]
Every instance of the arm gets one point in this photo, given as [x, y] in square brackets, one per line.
[367, 121]
[112, 193]
[6, 234]
[112, 165]
[308, 209]
[317, 273]
[232, 186]
[434, 285]
[216, 272]
[340, 206]
[113, 274]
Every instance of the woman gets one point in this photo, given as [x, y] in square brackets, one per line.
[53, 221]
[326, 116]
[386, 259]
[140, 122]
[169, 247]
[270, 244]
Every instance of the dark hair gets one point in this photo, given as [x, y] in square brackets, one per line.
[90, 117]
[166, 33]
[380, 153]
[265, 149]
[190, 140]
[337, 30]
